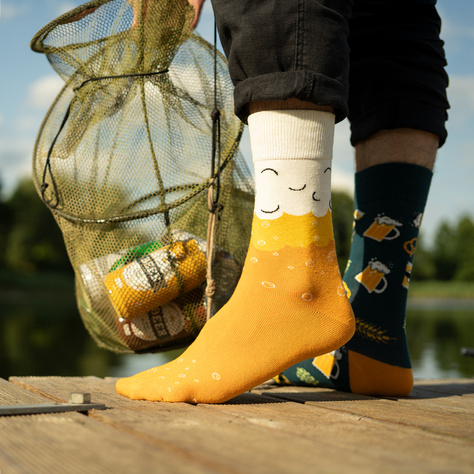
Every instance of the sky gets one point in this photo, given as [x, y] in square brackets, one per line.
[29, 85]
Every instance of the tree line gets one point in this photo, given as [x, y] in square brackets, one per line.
[31, 242]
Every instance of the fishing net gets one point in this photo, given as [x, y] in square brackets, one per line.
[135, 157]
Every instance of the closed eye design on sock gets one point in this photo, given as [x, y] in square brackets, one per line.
[286, 188]
[314, 194]
[297, 189]
[269, 169]
[271, 212]
[278, 206]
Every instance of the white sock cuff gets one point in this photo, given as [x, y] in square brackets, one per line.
[291, 134]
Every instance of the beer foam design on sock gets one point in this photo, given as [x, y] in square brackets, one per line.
[292, 211]
[292, 205]
[293, 187]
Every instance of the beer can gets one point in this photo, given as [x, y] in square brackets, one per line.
[156, 278]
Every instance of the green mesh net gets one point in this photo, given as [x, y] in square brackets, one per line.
[125, 158]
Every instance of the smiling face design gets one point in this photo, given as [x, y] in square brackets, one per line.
[294, 187]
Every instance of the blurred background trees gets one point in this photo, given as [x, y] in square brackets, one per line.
[453, 251]
[30, 240]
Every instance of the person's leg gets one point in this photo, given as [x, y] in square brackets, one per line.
[392, 184]
[400, 145]
[290, 303]
[397, 129]
[286, 50]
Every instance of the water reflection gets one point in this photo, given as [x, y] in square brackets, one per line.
[435, 337]
[42, 334]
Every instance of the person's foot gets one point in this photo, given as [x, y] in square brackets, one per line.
[290, 303]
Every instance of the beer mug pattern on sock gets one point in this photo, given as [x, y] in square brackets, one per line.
[373, 277]
[328, 364]
[383, 228]
[406, 278]
[418, 220]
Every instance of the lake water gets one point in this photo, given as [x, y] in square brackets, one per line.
[41, 334]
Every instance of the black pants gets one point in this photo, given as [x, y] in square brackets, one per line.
[379, 62]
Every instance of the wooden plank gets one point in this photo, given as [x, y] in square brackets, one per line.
[454, 403]
[173, 427]
[74, 443]
[464, 387]
[205, 437]
[451, 395]
[384, 446]
[11, 395]
[265, 434]
[403, 411]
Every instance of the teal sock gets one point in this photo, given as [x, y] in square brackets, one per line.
[389, 204]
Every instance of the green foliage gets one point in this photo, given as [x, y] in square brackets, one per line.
[343, 209]
[424, 267]
[453, 250]
[451, 257]
[458, 290]
[464, 241]
[6, 221]
[444, 254]
[31, 241]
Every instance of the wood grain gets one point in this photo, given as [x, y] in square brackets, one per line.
[271, 430]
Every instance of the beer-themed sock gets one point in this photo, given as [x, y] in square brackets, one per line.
[390, 200]
[290, 303]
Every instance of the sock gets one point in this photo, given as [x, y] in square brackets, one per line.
[290, 303]
[390, 200]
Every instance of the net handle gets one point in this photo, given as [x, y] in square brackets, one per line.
[214, 206]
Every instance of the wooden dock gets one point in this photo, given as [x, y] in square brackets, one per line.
[269, 430]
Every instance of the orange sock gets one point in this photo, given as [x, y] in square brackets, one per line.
[290, 303]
